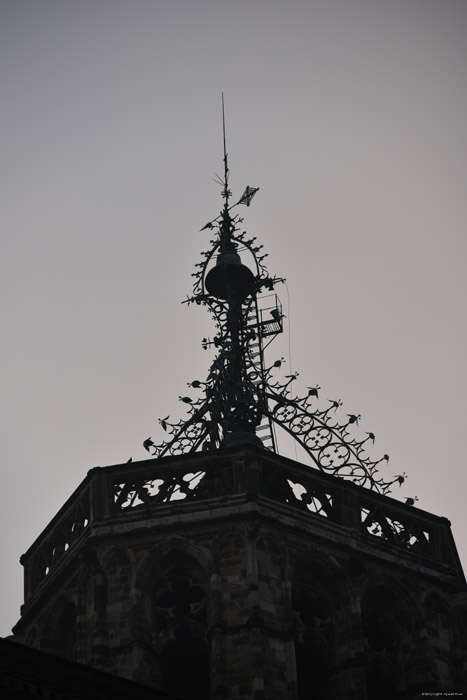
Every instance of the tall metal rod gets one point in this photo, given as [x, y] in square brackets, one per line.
[226, 169]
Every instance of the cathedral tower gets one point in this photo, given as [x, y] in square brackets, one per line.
[218, 569]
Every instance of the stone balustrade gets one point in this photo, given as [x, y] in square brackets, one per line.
[124, 493]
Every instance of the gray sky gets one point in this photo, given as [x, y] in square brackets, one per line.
[350, 115]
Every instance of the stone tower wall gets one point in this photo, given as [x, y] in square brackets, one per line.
[236, 590]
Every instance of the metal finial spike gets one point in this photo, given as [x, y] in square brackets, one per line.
[243, 399]
[148, 443]
[411, 501]
[226, 192]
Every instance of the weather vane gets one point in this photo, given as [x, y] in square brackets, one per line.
[243, 399]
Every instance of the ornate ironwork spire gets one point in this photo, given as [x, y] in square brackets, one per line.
[243, 399]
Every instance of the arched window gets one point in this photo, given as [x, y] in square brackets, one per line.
[382, 647]
[184, 663]
[179, 605]
[313, 619]
[65, 631]
[439, 635]
[387, 632]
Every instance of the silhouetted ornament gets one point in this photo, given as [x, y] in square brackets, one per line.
[245, 400]
[180, 598]
[229, 278]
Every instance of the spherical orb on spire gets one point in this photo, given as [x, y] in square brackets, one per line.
[229, 278]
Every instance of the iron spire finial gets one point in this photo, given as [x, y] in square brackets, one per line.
[226, 192]
[243, 400]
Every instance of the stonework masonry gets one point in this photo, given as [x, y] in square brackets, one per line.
[242, 575]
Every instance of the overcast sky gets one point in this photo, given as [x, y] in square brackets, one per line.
[348, 114]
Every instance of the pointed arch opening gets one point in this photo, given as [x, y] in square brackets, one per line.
[314, 621]
[388, 631]
[64, 631]
[178, 600]
[184, 663]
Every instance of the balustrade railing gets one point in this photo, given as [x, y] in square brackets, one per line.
[111, 494]
[59, 538]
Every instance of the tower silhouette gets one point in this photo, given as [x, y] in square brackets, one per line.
[220, 569]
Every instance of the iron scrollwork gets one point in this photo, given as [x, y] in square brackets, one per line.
[242, 400]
